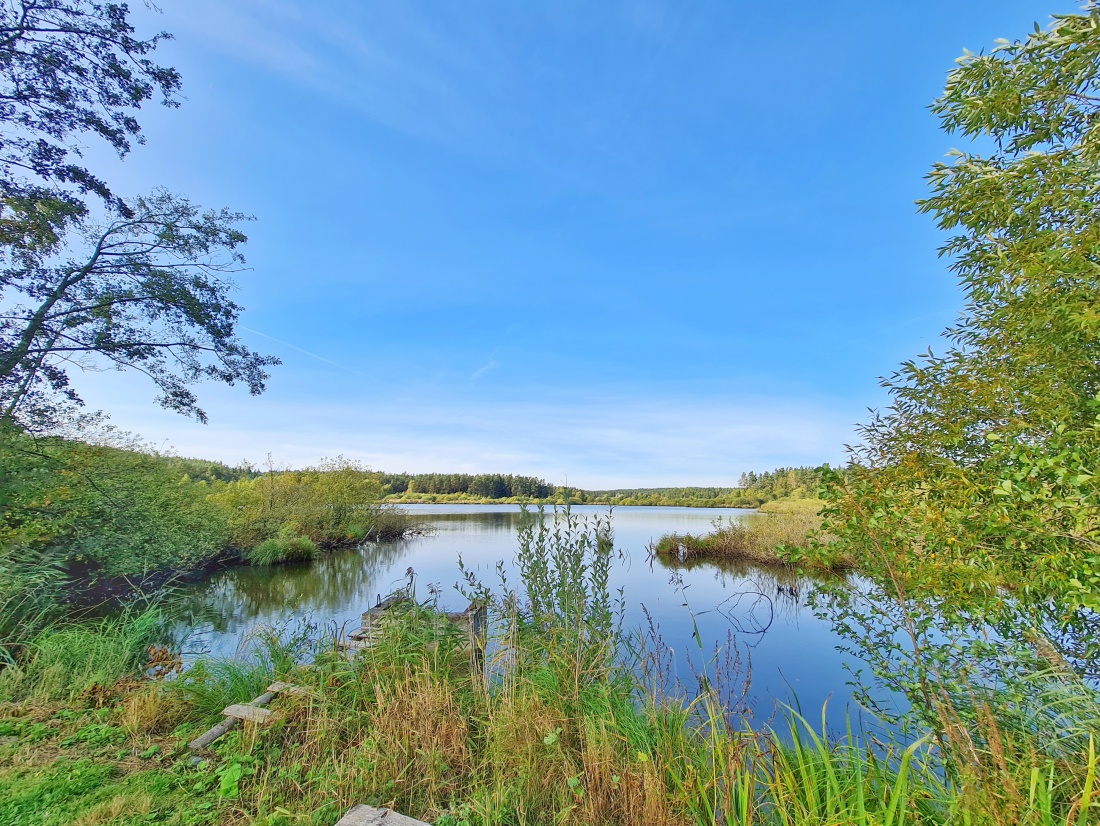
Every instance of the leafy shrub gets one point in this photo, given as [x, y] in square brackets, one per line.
[323, 501]
[390, 523]
[120, 508]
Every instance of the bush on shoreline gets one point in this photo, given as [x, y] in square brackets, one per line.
[111, 518]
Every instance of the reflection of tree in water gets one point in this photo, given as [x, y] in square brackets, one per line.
[970, 658]
[494, 522]
[237, 596]
[488, 521]
[1074, 634]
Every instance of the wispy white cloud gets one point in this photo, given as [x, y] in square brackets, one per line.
[253, 37]
[492, 364]
[397, 65]
[304, 351]
[594, 442]
[452, 74]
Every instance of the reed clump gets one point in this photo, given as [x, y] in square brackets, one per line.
[279, 549]
[778, 536]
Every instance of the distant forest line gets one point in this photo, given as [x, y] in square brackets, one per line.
[753, 489]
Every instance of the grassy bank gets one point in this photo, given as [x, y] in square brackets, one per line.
[778, 536]
[414, 729]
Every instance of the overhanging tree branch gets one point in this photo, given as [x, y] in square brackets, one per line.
[150, 293]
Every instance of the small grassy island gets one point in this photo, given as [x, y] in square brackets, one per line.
[781, 536]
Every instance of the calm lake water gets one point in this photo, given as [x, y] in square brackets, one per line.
[786, 651]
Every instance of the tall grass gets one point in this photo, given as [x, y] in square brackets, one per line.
[266, 655]
[31, 585]
[412, 726]
[775, 538]
[70, 658]
[282, 548]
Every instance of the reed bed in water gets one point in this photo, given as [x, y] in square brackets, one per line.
[775, 537]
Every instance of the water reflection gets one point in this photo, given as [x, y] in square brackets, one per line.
[326, 585]
[491, 522]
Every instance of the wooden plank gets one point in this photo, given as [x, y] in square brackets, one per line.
[368, 816]
[384, 605]
[393, 599]
[254, 714]
[226, 725]
[366, 636]
[353, 644]
[474, 621]
[279, 687]
[208, 737]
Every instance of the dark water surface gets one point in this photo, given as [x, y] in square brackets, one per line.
[789, 650]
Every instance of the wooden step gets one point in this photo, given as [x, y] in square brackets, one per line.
[242, 711]
[234, 714]
[368, 816]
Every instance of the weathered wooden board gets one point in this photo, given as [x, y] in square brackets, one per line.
[253, 714]
[474, 621]
[384, 605]
[233, 720]
[286, 688]
[208, 737]
[367, 816]
[372, 619]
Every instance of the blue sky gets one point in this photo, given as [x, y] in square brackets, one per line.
[625, 243]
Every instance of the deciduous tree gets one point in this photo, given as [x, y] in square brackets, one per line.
[69, 69]
[147, 291]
